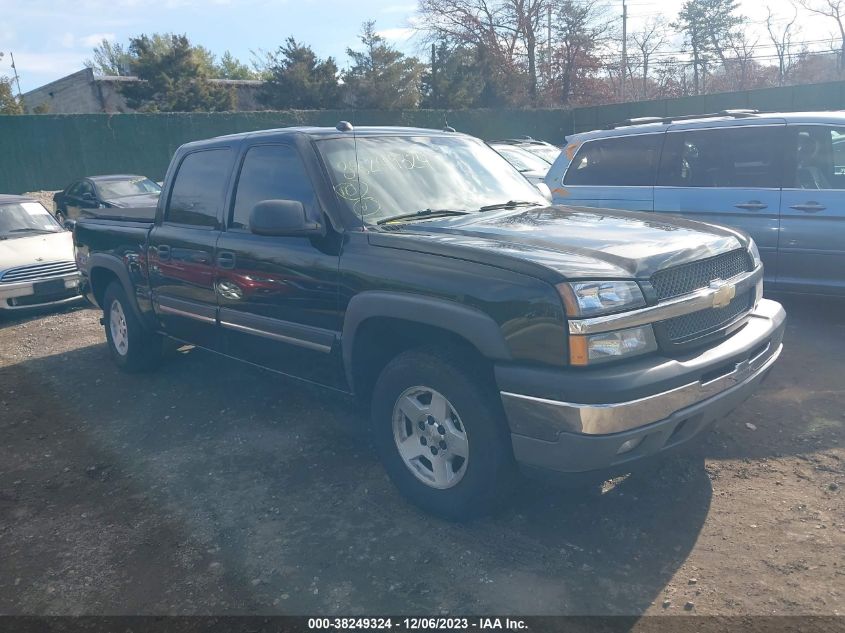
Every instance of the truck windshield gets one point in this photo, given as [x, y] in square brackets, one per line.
[26, 218]
[402, 175]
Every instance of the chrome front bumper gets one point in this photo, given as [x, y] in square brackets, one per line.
[547, 431]
[20, 289]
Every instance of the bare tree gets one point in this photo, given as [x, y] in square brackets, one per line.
[649, 39]
[781, 38]
[482, 24]
[834, 9]
[579, 29]
[526, 18]
[742, 60]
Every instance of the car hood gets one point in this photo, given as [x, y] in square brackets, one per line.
[574, 242]
[35, 249]
[140, 201]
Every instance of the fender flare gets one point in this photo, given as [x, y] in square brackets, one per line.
[467, 322]
[116, 266]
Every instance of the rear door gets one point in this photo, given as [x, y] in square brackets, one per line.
[616, 173]
[182, 247]
[278, 296]
[728, 175]
[812, 241]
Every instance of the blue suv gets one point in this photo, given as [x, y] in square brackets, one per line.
[779, 177]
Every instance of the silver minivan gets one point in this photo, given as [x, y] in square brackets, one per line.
[779, 177]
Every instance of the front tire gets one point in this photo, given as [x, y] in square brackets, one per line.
[132, 346]
[441, 434]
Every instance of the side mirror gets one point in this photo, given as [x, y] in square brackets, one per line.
[282, 218]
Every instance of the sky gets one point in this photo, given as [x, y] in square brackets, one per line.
[51, 39]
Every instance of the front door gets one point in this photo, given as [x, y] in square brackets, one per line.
[728, 175]
[812, 240]
[278, 295]
[182, 248]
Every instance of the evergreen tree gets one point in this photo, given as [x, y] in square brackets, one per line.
[382, 78]
[232, 68]
[174, 78]
[453, 80]
[297, 78]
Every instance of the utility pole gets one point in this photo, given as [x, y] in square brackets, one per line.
[435, 98]
[17, 79]
[624, 47]
[549, 43]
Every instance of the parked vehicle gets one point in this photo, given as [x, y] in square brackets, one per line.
[546, 151]
[37, 266]
[779, 177]
[88, 196]
[417, 271]
[532, 167]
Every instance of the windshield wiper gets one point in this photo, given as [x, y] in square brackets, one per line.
[425, 213]
[510, 204]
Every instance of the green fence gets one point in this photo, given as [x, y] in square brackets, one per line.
[49, 151]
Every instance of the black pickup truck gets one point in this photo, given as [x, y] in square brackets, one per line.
[418, 271]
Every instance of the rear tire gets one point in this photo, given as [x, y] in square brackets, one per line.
[455, 459]
[133, 347]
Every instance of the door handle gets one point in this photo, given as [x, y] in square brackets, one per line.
[163, 252]
[225, 259]
[809, 207]
[751, 205]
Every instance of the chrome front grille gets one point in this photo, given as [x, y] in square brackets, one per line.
[686, 278]
[684, 328]
[35, 272]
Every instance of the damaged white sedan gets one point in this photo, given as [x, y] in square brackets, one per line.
[37, 265]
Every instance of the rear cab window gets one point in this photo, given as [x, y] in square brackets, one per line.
[199, 188]
[623, 161]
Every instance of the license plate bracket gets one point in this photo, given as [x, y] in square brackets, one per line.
[46, 288]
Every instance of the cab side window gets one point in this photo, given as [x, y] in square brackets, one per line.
[743, 157]
[816, 157]
[199, 189]
[629, 161]
[271, 172]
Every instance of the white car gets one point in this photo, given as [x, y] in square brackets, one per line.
[37, 265]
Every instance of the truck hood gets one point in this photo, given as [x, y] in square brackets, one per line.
[575, 242]
[35, 249]
[142, 200]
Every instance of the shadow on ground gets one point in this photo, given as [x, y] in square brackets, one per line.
[211, 487]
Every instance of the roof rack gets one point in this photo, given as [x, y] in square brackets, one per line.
[736, 114]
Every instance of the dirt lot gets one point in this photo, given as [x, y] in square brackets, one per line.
[212, 487]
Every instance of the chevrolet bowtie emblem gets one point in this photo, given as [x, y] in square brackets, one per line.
[724, 293]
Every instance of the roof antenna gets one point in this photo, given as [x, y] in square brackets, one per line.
[446, 126]
[345, 126]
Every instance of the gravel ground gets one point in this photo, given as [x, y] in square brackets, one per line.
[210, 487]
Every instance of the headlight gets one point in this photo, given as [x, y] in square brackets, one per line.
[593, 298]
[755, 253]
[597, 348]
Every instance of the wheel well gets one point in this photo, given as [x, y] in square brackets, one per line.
[100, 280]
[380, 339]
